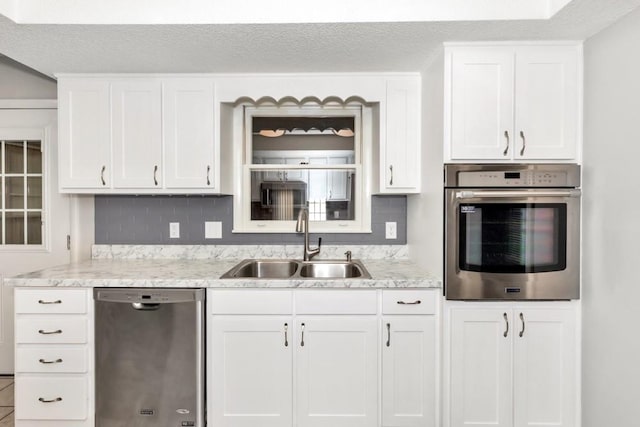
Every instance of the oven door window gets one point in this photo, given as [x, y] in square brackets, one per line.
[512, 237]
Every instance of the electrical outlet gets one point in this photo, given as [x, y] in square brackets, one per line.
[212, 230]
[391, 230]
[174, 230]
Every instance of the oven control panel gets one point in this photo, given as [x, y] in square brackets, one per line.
[524, 178]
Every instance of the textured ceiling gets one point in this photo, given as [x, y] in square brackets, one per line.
[54, 49]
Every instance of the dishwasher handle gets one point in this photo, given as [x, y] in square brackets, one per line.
[145, 306]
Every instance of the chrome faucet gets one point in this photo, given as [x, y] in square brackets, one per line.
[302, 226]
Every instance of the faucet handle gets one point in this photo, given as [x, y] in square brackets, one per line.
[348, 254]
[319, 243]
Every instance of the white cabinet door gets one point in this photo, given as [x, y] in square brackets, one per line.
[84, 134]
[480, 385]
[545, 367]
[408, 371]
[337, 371]
[251, 378]
[189, 133]
[547, 102]
[480, 92]
[137, 133]
[401, 150]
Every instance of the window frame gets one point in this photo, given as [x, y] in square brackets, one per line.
[29, 134]
[243, 160]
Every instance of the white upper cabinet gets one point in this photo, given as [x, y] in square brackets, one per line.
[84, 134]
[400, 150]
[513, 102]
[189, 137]
[137, 133]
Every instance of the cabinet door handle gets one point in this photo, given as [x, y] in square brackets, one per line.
[47, 362]
[50, 302]
[104, 168]
[43, 400]
[286, 330]
[506, 149]
[208, 170]
[43, 332]
[155, 174]
[524, 143]
[302, 340]
[522, 320]
[391, 177]
[388, 334]
[506, 321]
[416, 302]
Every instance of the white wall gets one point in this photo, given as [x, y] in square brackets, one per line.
[425, 210]
[611, 232]
[20, 82]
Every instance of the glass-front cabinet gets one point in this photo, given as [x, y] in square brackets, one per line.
[298, 158]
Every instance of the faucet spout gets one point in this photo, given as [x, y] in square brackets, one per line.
[302, 226]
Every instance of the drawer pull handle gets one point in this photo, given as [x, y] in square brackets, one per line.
[286, 330]
[416, 302]
[43, 332]
[388, 334]
[506, 322]
[46, 362]
[43, 400]
[58, 301]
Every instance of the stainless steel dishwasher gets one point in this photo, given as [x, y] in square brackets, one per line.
[149, 357]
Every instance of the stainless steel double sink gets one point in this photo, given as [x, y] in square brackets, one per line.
[295, 269]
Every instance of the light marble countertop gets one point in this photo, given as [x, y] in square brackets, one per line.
[205, 273]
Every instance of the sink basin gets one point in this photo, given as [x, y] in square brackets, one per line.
[294, 269]
[263, 269]
[331, 270]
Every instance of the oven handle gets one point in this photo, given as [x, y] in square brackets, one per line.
[504, 194]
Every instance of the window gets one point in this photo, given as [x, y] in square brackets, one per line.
[304, 157]
[21, 204]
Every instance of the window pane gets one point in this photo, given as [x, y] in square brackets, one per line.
[15, 228]
[14, 192]
[13, 157]
[34, 192]
[329, 194]
[34, 157]
[1, 227]
[34, 228]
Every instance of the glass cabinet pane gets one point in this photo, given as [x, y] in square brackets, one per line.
[13, 157]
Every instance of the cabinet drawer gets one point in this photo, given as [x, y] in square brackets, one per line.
[409, 302]
[51, 330]
[51, 359]
[51, 398]
[336, 302]
[250, 302]
[45, 301]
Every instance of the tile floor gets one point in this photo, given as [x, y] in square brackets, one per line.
[6, 401]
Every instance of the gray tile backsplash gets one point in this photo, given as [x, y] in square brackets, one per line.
[144, 220]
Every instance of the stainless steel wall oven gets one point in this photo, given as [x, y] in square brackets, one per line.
[512, 231]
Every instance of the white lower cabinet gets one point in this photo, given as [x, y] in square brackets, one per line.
[251, 360]
[336, 371]
[318, 358]
[54, 358]
[511, 365]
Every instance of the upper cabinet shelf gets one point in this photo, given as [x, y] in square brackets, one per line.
[508, 102]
